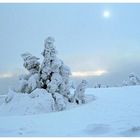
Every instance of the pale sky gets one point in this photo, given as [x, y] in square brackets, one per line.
[93, 39]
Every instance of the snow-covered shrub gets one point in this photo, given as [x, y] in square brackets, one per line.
[79, 94]
[132, 80]
[98, 86]
[9, 96]
[125, 83]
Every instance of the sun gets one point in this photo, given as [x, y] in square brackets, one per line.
[106, 14]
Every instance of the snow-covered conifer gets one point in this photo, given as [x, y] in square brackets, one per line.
[133, 79]
[49, 54]
[54, 74]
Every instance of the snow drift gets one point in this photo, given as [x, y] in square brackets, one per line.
[22, 104]
[39, 101]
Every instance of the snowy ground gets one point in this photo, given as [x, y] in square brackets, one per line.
[114, 112]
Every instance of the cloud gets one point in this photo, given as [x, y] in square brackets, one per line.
[89, 73]
[12, 73]
[7, 75]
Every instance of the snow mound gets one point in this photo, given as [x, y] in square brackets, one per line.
[39, 101]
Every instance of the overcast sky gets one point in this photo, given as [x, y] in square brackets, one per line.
[94, 39]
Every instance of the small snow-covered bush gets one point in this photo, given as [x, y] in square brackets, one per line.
[132, 80]
[79, 94]
[9, 96]
[125, 83]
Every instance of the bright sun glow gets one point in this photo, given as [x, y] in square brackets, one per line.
[89, 73]
[106, 14]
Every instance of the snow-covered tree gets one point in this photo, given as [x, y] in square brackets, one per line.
[133, 79]
[27, 83]
[54, 74]
[79, 93]
[98, 86]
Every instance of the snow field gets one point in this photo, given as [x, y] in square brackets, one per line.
[113, 112]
